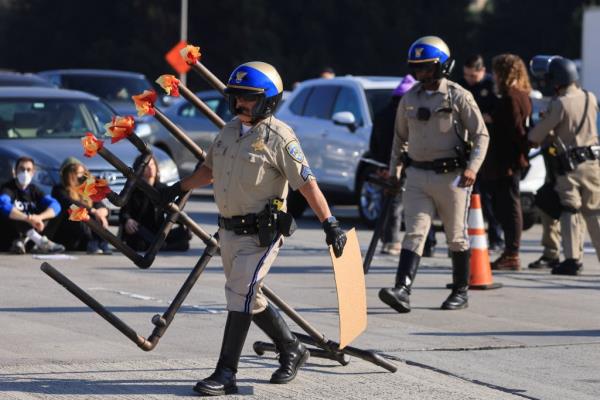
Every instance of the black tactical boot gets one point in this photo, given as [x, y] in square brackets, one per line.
[398, 296]
[222, 381]
[544, 262]
[292, 353]
[568, 267]
[458, 299]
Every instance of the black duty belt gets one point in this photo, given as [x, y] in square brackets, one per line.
[586, 153]
[439, 166]
[240, 224]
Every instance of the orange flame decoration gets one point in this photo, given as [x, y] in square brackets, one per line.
[144, 102]
[102, 189]
[78, 213]
[170, 84]
[91, 145]
[120, 128]
[191, 54]
[94, 189]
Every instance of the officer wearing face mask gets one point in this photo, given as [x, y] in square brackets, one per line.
[441, 141]
[25, 211]
[250, 163]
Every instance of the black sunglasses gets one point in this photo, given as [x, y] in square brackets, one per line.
[246, 96]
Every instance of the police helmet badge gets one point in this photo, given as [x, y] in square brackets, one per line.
[239, 76]
[484, 93]
[419, 51]
[294, 150]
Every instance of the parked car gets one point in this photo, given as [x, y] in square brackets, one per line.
[333, 119]
[47, 124]
[17, 79]
[195, 124]
[114, 87]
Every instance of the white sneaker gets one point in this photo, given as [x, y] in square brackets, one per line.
[47, 246]
[18, 247]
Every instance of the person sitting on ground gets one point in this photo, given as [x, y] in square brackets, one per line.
[25, 212]
[140, 219]
[77, 236]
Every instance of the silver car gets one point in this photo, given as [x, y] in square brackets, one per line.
[195, 124]
[47, 125]
[333, 119]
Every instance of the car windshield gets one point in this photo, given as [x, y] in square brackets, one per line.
[51, 118]
[377, 100]
[109, 88]
[6, 81]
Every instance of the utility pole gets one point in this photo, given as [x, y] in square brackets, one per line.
[183, 28]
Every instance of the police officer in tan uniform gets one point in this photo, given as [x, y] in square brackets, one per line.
[571, 120]
[250, 163]
[441, 140]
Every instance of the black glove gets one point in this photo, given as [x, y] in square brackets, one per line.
[334, 235]
[169, 193]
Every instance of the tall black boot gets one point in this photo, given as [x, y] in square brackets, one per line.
[461, 268]
[292, 353]
[398, 296]
[222, 381]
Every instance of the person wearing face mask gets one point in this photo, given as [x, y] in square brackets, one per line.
[250, 163]
[441, 140]
[25, 212]
[140, 219]
[77, 236]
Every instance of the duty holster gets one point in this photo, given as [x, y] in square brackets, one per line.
[272, 221]
[567, 161]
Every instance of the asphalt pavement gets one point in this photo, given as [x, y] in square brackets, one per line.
[537, 337]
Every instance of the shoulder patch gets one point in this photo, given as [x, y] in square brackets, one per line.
[294, 150]
[305, 172]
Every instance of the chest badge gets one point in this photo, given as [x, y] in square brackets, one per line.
[258, 144]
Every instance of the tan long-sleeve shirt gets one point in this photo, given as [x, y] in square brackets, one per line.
[436, 138]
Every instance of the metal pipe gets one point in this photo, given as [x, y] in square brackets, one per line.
[261, 347]
[115, 241]
[161, 322]
[180, 135]
[367, 355]
[164, 321]
[200, 105]
[93, 304]
[290, 312]
[318, 339]
[209, 77]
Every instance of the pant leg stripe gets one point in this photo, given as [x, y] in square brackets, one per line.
[255, 276]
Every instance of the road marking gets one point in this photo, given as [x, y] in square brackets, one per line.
[199, 308]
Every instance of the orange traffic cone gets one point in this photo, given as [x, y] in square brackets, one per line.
[481, 271]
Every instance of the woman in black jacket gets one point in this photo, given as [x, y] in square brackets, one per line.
[77, 236]
[507, 153]
[140, 219]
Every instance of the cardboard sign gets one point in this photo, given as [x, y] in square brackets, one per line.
[351, 292]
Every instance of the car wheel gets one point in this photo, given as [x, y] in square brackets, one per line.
[296, 203]
[370, 199]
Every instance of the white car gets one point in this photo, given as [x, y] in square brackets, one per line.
[333, 119]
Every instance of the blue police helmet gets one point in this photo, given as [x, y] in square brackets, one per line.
[431, 49]
[256, 78]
